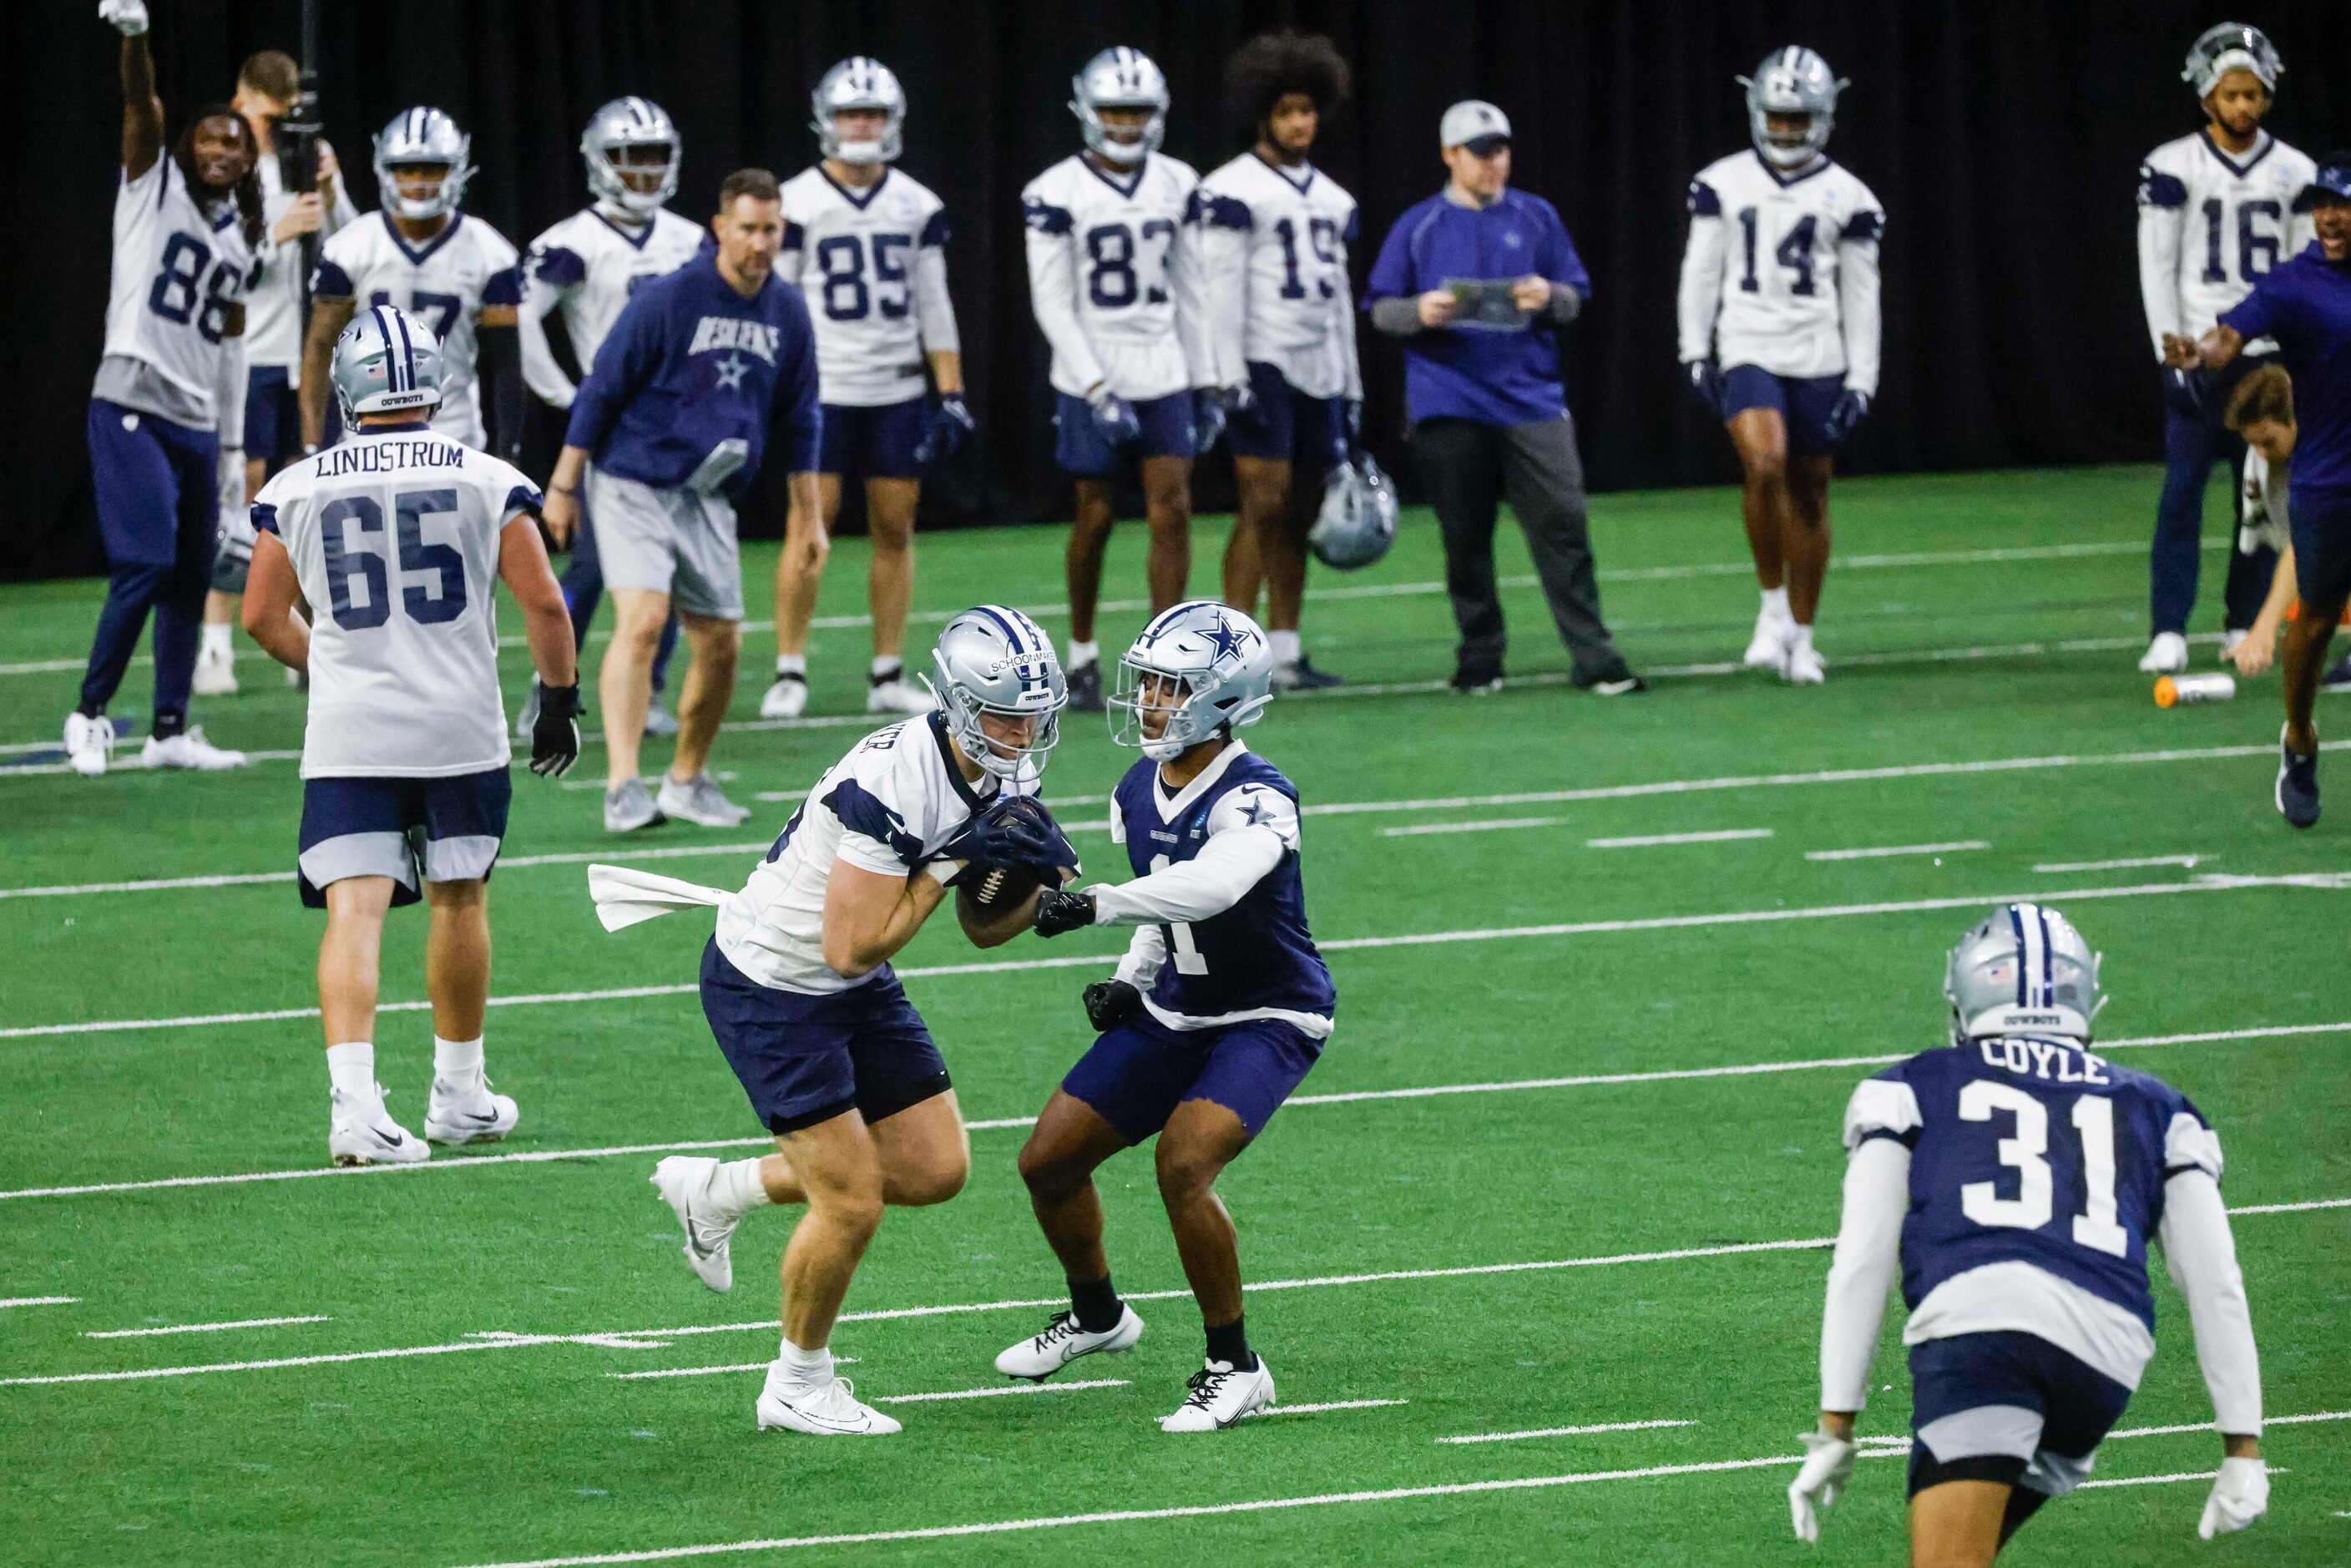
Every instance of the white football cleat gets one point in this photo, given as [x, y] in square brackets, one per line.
[827, 1410]
[699, 800]
[190, 749]
[362, 1133]
[1220, 1396]
[1804, 667]
[216, 675]
[659, 720]
[2166, 656]
[89, 744]
[468, 1113]
[684, 1182]
[897, 695]
[1040, 1355]
[788, 698]
[1768, 649]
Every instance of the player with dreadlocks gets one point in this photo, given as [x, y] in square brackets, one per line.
[1282, 320]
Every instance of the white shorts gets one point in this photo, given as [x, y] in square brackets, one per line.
[679, 542]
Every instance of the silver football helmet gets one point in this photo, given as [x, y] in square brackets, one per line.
[423, 136]
[1358, 519]
[1121, 78]
[385, 361]
[859, 82]
[995, 660]
[2023, 969]
[1222, 664]
[2231, 47]
[1793, 80]
[613, 130]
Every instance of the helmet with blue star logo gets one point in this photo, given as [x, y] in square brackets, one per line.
[1203, 665]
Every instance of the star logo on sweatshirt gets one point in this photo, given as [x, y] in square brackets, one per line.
[730, 371]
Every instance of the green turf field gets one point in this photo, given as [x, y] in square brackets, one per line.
[1596, 1232]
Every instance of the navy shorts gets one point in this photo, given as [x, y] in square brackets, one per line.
[805, 1058]
[273, 415]
[446, 829]
[1803, 402]
[2006, 1407]
[2322, 547]
[1309, 434]
[1137, 1074]
[1078, 447]
[873, 443]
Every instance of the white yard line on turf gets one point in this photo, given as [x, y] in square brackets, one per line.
[1007, 1388]
[1564, 1431]
[1491, 825]
[1649, 840]
[38, 1300]
[203, 1328]
[1889, 851]
[711, 1371]
[2190, 861]
[1420, 1091]
[1327, 1405]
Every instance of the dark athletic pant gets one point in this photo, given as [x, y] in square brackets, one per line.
[158, 511]
[2192, 442]
[1468, 469]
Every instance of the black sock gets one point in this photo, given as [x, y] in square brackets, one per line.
[88, 709]
[169, 723]
[1228, 1344]
[890, 672]
[1097, 1303]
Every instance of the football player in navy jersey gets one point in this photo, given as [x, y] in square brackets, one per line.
[2017, 1177]
[1217, 1011]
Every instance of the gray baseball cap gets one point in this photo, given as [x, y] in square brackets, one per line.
[1471, 121]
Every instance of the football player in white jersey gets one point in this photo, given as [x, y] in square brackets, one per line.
[1114, 280]
[867, 245]
[586, 268]
[1779, 333]
[167, 410]
[451, 271]
[1273, 244]
[2215, 213]
[798, 987]
[397, 538]
[267, 86]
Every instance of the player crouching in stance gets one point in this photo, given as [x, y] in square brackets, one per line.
[2018, 1177]
[797, 987]
[397, 539]
[1217, 1011]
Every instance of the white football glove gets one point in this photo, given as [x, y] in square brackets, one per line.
[1828, 1465]
[128, 18]
[2241, 1494]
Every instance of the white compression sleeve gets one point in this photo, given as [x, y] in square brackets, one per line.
[1052, 295]
[1857, 300]
[2158, 271]
[1145, 954]
[934, 309]
[539, 367]
[2201, 1254]
[1868, 1251]
[1211, 883]
[1701, 294]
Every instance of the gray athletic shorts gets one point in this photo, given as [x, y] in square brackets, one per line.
[678, 542]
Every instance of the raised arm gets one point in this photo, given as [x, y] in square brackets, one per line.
[142, 112]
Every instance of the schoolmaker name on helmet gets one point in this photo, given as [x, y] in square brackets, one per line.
[614, 145]
[1121, 78]
[1357, 522]
[2231, 47]
[1793, 80]
[2022, 969]
[1222, 667]
[386, 362]
[859, 82]
[423, 137]
[992, 661]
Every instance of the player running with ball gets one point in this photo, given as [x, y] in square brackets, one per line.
[1217, 1013]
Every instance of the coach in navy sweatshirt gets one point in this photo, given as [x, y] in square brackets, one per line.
[669, 428]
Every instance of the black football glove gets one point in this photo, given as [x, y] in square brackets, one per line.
[1107, 1002]
[555, 738]
[1015, 830]
[1704, 378]
[1059, 913]
[1852, 408]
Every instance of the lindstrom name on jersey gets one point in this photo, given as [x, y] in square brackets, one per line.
[872, 267]
[1274, 249]
[394, 533]
[178, 271]
[1780, 271]
[1115, 276]
[445, 283]
[2209, 225]
[589, 266]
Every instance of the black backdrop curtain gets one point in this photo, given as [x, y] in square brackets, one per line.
[2002, 135]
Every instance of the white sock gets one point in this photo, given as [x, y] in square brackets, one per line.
[1775, 604]
[215, 643]
[457, 1062]
[1802, 640]
[737, 1189]
[792, 664]
[888, 667]
[1285, 646]
[1083, 653]
[805, 1367]
[350, 1068]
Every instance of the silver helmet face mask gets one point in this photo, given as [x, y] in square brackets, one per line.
[2023, 969]
[991, 660]
[620, 128]
[386, 362]
[1220, 662]
[1121, 78]
[859, 83]
[2231, 47]
[423, 137]
[1793, 80]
